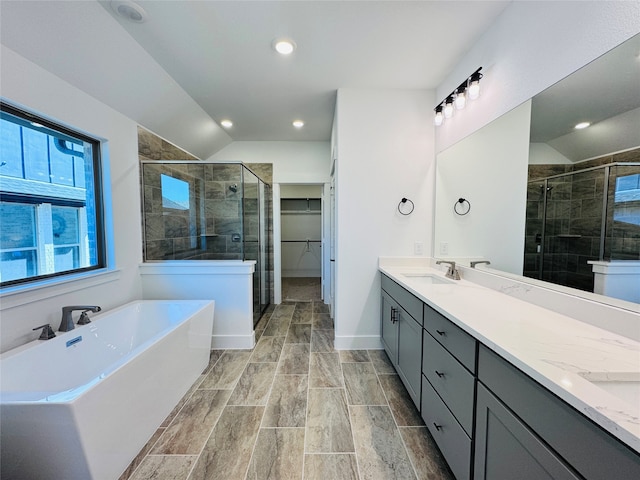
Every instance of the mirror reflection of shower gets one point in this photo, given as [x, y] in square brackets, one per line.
[577, 213]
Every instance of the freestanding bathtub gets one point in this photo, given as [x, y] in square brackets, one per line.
[83, 404]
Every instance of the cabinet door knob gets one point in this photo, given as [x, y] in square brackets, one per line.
[438, 427]
[440, 374]
[440, 332]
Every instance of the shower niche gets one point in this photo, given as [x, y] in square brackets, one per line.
[198, 211]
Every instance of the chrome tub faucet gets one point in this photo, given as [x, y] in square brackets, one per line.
[67, 319]
[452, 271]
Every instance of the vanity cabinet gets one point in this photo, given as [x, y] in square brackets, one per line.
[525, 431]
[402, 334]
[448, 389]
[490, 420]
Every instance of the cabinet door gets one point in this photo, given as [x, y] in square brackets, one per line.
[390, 327]
[507, 449]
[410, 354]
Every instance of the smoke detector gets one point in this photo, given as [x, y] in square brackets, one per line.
[129, 10]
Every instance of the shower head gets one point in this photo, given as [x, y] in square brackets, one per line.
[234, 187]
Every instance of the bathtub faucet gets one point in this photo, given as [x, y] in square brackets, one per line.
[67, 319]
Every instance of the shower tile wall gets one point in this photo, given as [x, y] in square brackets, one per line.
[574, 221]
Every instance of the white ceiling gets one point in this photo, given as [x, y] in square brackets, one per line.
[219, 54]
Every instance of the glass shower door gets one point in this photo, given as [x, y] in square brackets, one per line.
[573, 228]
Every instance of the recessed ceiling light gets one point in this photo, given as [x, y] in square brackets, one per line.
[298, 123]
[226, 123]
[284, 46]
[129, 10]
[582, 125]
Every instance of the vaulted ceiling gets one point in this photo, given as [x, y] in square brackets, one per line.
[217, 56]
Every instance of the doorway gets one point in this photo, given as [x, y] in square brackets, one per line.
[301, 242]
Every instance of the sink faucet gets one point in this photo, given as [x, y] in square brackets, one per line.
[67, 319]
[452, 272]
[478, 262]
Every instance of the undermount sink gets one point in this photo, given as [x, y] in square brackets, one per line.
[622, 385]
[426, 278]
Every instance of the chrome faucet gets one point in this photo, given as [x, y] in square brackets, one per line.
[67, 320]
[452, 272]
[478, 262]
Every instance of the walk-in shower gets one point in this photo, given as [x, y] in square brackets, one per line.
[195, 210]
[581, 215]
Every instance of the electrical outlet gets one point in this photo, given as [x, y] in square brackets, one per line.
[418, 248]
[444, 248]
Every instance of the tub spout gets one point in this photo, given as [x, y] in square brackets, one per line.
[67, 319]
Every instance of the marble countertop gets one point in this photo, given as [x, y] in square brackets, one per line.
[563, 354]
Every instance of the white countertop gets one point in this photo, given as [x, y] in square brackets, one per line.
[556, 350]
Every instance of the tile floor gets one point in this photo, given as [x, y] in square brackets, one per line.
[293, 408]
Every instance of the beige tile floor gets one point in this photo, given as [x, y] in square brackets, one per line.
[293, 408]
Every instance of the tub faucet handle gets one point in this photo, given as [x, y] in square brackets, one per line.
[84, 318]
[47, 332]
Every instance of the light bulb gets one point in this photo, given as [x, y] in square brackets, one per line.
[226, 123]
[461, 99]
[474, 89]
[448, 108]
[439, 119]
[298, 123]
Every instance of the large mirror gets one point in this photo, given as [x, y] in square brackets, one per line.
[549, 202]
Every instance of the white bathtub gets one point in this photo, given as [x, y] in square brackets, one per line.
[83, 404]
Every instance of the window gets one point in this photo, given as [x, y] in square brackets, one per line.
[50, 200]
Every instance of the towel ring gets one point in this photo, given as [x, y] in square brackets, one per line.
[403, 202]
[462, 206]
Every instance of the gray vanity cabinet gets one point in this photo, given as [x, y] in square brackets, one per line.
[520, 423]
[507, 449]
[402, 334]
[448, 389]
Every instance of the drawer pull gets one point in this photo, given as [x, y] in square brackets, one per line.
[440, 332]
[438, 427]
[394, 315]
[440, 374]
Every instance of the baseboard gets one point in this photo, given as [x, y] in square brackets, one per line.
[359, 342]
[232, 342]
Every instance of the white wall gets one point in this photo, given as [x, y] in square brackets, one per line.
[489, 170]
[293, 162]
[530, 47]
[25, 84]
[385, 153]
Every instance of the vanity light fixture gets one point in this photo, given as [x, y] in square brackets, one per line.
[284, 46]
[298, 123]
[467, 90]
[226, 123]
[582, 125]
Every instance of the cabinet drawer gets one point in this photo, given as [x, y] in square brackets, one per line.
[453, 338]
[406, 300]
[581, 443]
[452, 440]
[450, 379]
